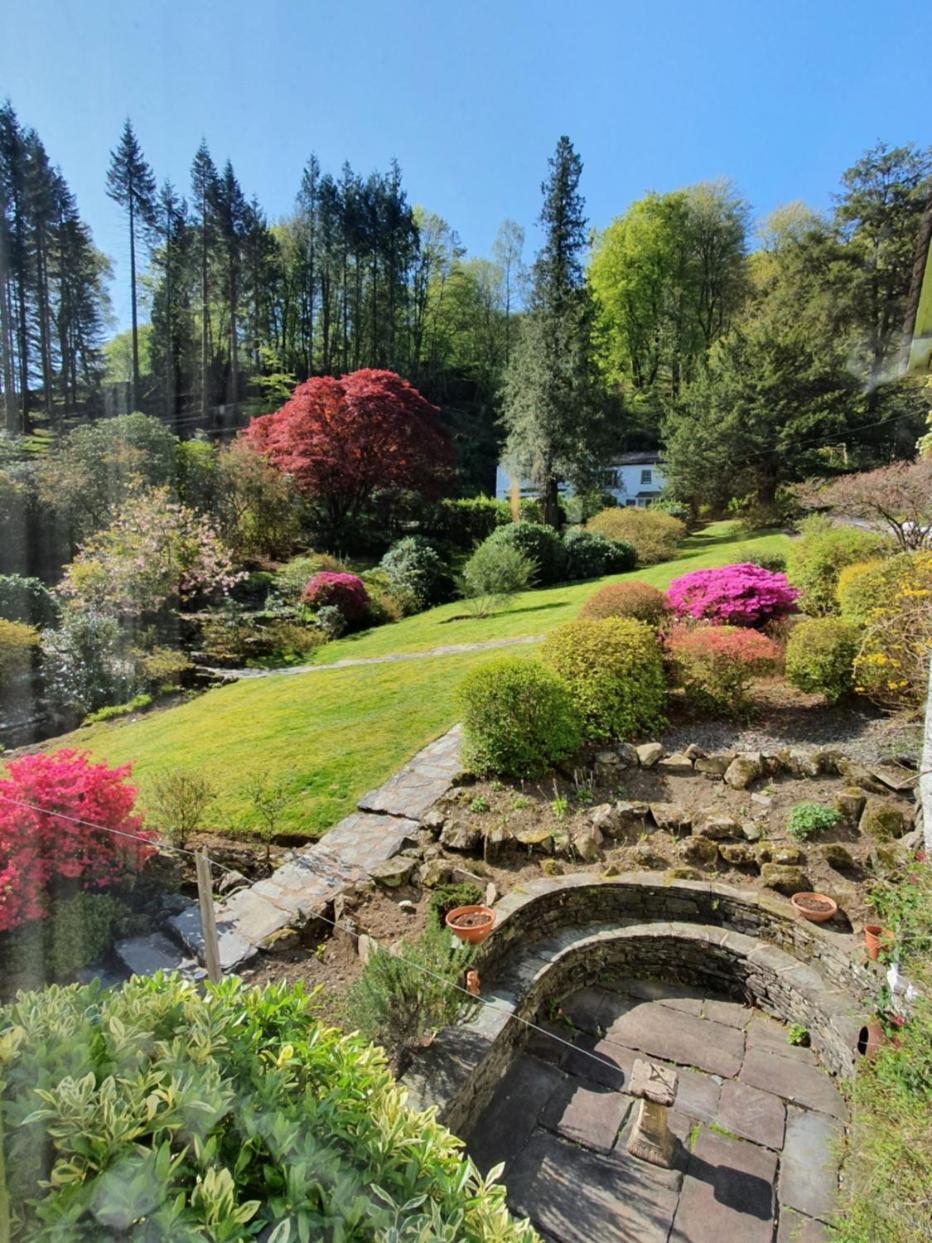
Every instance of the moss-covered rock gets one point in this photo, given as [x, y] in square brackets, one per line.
[850, 802]
[883, 820]
[698, 850]
[837, 856]
[786, 880]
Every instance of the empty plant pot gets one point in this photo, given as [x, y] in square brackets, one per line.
[873, 1038]
[471, 923]
[816, 907]
[874, 937]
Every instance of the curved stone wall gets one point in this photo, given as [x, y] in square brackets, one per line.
[555, 936]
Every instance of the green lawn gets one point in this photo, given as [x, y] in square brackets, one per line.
[339, 733]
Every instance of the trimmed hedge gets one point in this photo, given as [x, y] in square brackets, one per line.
[518, 719]
[653, 535]
[155, 1111]
[591, 556]
[820, 656]
[614, 672]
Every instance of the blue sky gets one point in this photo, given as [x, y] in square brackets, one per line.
[471, 96]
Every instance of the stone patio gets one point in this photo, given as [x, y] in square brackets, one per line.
[758, 1124]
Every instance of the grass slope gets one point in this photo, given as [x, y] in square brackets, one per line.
[337, 734]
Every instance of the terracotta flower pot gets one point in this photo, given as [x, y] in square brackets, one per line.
[816, 907]
[871, 1039]
[471, 923]
[874, 937]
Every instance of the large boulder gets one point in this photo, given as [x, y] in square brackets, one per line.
[850, 802]
[744, 769]
[537, 838]
[713, 766]
[631, 817]
[837, 856]
[587, 843]
[435, 872]
[677, 765]
[391, 873]
[649, 753]
[718, 827]
[883, 820]
[786, 880]
[604, 818]
[738, 854]
[671, 818]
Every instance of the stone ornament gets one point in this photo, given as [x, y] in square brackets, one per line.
[651, 1138]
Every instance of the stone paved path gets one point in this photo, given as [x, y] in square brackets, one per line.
[756, 1161]
[304, 887]
[453, 649]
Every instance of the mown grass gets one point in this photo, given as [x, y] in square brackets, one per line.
[536, 612]
[335, 734]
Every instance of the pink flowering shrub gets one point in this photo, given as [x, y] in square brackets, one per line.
[41, 853]
[715, 665]
[732, 595]
[346, 592]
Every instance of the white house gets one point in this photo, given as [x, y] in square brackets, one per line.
[633, 479]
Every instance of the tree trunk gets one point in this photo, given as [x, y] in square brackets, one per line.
[550, 499]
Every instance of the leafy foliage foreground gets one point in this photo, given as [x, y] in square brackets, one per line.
[156, 1112]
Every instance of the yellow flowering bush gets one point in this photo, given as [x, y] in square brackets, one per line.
[892, 666]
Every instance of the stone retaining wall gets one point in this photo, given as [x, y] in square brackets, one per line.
[557, 936]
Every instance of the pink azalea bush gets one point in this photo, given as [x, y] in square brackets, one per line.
[42, 853]
[346, 592]
[715, 665]
[732, 595]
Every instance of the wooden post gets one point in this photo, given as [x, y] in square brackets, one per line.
[4, 1194]
[205, 899]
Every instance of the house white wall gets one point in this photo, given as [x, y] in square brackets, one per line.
[631, 483]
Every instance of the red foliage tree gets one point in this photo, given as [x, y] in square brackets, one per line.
[343, 440]
[41, 850]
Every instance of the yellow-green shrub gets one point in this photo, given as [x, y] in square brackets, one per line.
[859, 590]
[653, 535]
[892, 667]
[818, 556]
[17, 644]
[614, 671]
[820, 656]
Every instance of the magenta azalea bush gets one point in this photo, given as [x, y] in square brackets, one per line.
[346, 592]
[732, 595]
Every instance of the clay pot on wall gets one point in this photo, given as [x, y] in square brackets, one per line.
[816, 907]
[872, 1038]
[875, 936]
[471, 923]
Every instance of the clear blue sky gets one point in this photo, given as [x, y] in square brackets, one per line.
[471, 95]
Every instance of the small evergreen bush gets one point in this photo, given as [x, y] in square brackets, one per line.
[591, 556]
[652, 534]
[715, 665]
[632, 599]
[416, 568]
[401, 998]
[518, 719]
[820, 657]
[494, 573]
[815, 560]
[539, 543]
[614, 672]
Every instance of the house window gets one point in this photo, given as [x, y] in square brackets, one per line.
[645, 476]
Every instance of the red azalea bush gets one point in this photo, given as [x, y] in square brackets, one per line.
[346, 592]
[41, 852]
[733, 595]
[715, 665]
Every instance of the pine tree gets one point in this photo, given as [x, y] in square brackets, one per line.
[131, 184]
[204, 192]
[554, 423]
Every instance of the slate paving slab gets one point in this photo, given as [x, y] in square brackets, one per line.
[731, 1013]
[809, 1165]
[766, 1033]
[794, 1081]
[609, 1065]
[576, 1196]
[511, 1116]
[797, 1228]
[727, 1193]
[586, 1115]
[752, 1114]
[679, 1037]
[155, 952]
[594, 1009]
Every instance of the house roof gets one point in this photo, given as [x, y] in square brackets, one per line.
[636, 459]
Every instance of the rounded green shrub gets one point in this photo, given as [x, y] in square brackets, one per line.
[652, 534]
[494, 573]
[518, 718]
[539, 543]
[233, 1113]
[590, 556]
[815, 560]
[26, 600]
[820, 656]
[413, 566]
[614, 670]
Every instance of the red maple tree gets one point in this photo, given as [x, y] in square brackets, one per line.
[342, 440]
